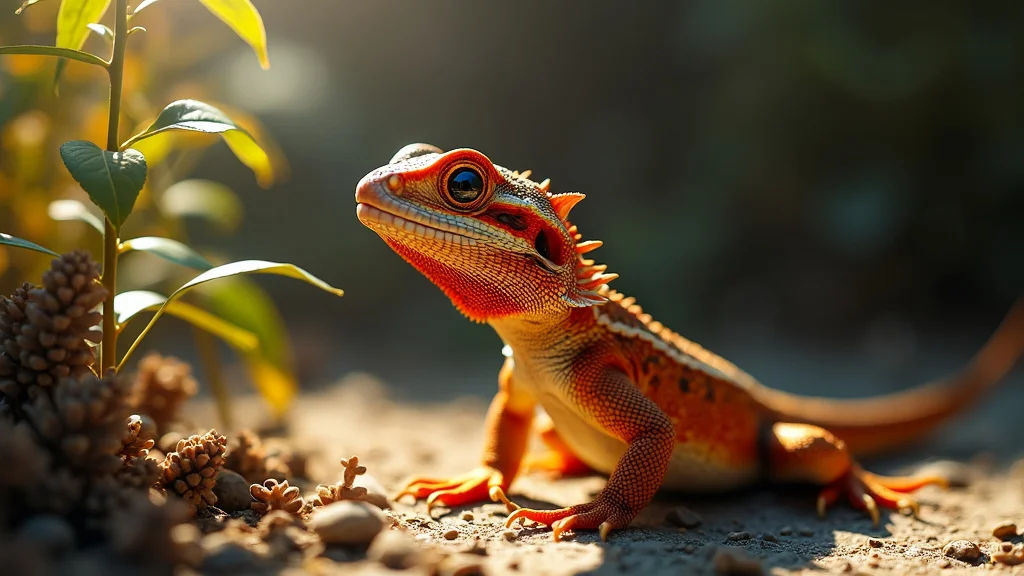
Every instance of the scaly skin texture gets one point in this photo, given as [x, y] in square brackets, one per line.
[621, 394]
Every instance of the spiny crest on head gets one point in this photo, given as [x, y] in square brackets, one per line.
[590, 277]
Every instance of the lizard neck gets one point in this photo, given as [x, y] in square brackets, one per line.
[540, 333]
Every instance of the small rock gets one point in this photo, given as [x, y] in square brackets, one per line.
[769, 537]
[348, 522]
[738, 536]
[395, 550]
[943, 564]
[168, 442]
[451, 535]
[467, 516]
[375, 492]
[734, 563]
[509, 535]
[689, 548]
[874, 543]
[1005, 531]
[51, 532]
[1006, 546]
[785, 531]
[962, 550]
[805, 531]
[227, 557]
[232, 491]
[423, 537]
[460, 565]
[682, 516]
[1011, 558]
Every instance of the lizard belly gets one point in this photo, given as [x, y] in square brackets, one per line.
[689, 470]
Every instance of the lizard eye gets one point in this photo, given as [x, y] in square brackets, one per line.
[464, 186]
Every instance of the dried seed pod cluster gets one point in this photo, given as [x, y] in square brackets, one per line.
[162, 385]
[46, 330]
[249, 457]
[84, 420]
[328, 493]
[190, 471]
[274, 495]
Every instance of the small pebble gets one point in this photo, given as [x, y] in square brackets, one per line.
[689, 548]
[730, 563]
[805, 531]
[943, 564]
[1005, 531]
[769, 537]
[375, 492]
[738, 536]
[395, 550]
[874, 543]
[350, 522]
[1006, 546]
[451, 535]
[423, 537]
[962, 550]
[467, 516]
[785, 531]
[684, 517]
[459, 565]
[232, 491]
[509, 535]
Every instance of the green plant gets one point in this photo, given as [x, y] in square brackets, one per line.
[114, 176]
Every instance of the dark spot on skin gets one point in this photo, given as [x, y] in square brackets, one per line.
[655, 382]
[649, 361]
[684, 385]
[511, 220]
[709, 391]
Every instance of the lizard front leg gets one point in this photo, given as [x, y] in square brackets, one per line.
[611, 402]
[506, 432]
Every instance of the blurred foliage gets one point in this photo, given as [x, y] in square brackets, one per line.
[39, 200]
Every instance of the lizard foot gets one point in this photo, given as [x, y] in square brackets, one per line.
[476, 485]
[867, 491]
[601, 514]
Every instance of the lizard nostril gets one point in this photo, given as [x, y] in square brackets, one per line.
[394, 182]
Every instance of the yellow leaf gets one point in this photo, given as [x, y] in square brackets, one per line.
[245, 20]
[252, 155]
[277, 387]
[72, 20]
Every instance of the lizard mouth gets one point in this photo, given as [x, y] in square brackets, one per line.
[377, 210]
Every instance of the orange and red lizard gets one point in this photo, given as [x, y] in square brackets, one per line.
[625, 395]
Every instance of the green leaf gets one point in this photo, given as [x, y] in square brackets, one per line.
[26, 4]
[73, 19]
[128, 305]
[9, 240]
[196, 116]
[246, 21]
[68, 53]
[167, 249]
[235, 269]
[205, 199]
[66, 210]
[112, 179]
[145, 4]
[106, 33]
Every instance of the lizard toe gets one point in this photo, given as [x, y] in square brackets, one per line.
[871, 492]
[601, 515]
[477, 485]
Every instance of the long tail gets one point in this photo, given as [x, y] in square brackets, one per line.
[882, 423]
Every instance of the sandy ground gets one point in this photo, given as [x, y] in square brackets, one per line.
[760, 531]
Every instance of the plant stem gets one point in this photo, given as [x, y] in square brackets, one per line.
[108, 353]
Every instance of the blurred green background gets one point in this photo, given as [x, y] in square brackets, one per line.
[829, 193]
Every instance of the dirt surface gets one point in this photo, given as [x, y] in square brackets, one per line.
[760, 531]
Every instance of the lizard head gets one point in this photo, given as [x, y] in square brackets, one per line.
[497, 243]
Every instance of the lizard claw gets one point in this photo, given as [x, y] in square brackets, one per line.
[601, 514]
[869, 492]
[476, 485]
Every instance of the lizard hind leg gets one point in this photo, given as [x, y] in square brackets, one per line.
[805, 453]
[557, 460]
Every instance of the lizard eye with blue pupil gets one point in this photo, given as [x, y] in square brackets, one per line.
[465, 185]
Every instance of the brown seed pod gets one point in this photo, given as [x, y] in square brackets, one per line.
[162, 385]
[248, 456]
[135, 443]
[274, 495]
[45, 330]
[328, 493]
[83, 422]
[190, 471]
